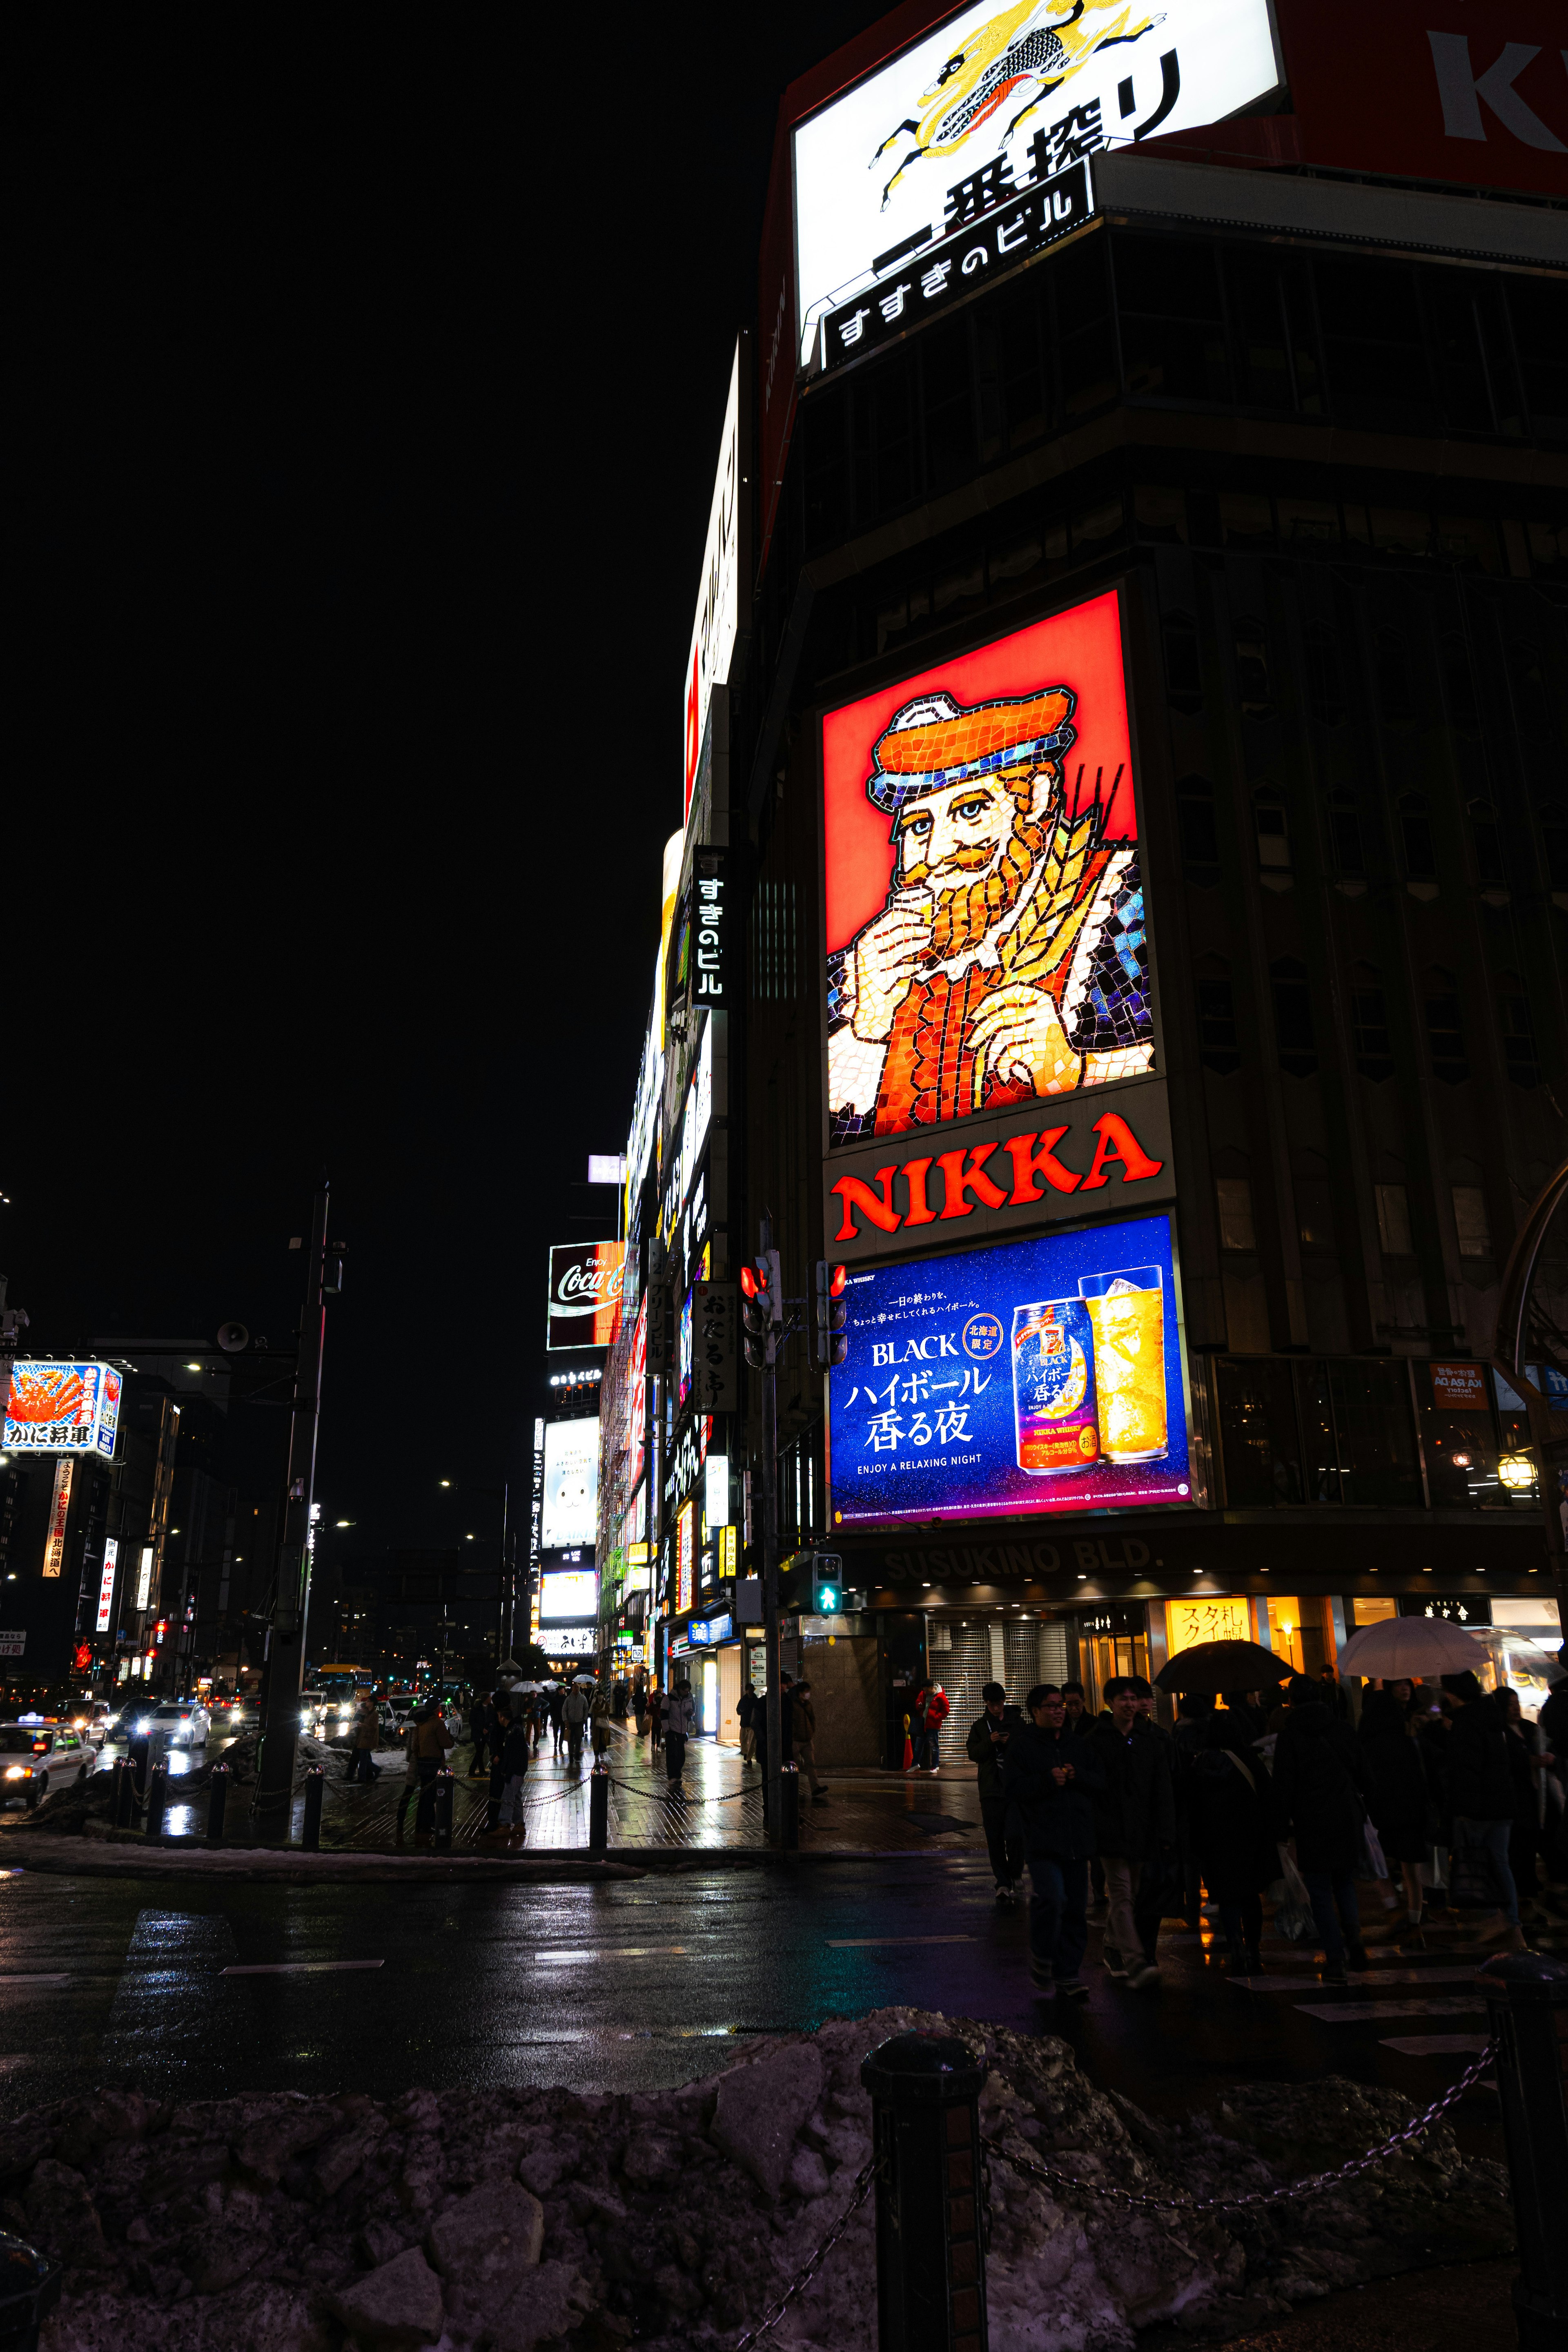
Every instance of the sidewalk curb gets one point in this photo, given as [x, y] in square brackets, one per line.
[96, 1858]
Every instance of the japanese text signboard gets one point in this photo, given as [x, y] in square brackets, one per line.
[716, 1379]
[106, 1584]
[1212, 1617]
[59, 1515]
[1033, 1376]
[726, 573]
[63, 1408]
[960, 265]
[988, 107]
[987, 944]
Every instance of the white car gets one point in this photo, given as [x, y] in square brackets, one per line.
[176, 1723]
[34, 1753]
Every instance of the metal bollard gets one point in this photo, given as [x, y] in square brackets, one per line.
[157, 1793]
[930, 2248]
[310, 1827]
[217, 1801]
[445, 1787]
[598, 1812]
[29, 2290]
[116, 1783]
[1526, 1996]
[789, 1809]
[134, 1786]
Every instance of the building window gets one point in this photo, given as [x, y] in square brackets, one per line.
[1393, 1220]
[1445, 1028]
[1470, 1221]
[774, 940]
[1344, 834]
[1369, 1024]
[1416, 826]
[1252, 670]
[1518, 1033]
[1200, 843]
[1325, 672]
[1459, 683]
[1233, 1198]
[1390, 662]
[1530, 695]
[1273, 831]
[1183, 672]
[1488, 841]
[1217, 1040]
[1293, 1018]
[1553, 823]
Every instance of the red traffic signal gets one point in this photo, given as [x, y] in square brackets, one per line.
[832, 1314]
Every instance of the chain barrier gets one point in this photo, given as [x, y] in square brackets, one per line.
[661, 1796]
[1311, 2186]
[803, 2277]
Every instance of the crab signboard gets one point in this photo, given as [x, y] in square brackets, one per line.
[978, 116]
[55, 1408]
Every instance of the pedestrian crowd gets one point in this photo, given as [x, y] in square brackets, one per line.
[1442, 1797]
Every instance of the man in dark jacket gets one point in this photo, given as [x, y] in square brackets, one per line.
[746, 1716]
[1134, 1824]
[512, 1765]
[482, 1723]
[986, 1747]
[1480, 1789]
[1320, 1797]
[1049, 1781]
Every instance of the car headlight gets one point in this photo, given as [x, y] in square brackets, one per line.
[19, 1771]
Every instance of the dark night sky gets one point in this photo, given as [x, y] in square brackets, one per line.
[363, 420]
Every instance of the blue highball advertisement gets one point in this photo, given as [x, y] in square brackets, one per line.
[1029, 1376]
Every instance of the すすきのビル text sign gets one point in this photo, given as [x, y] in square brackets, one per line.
[1066, 1159]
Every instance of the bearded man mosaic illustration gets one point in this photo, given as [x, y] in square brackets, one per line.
[986, 921]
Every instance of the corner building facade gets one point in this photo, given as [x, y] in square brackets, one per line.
[1151, 749]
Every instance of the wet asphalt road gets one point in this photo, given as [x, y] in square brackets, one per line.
[625, 1987]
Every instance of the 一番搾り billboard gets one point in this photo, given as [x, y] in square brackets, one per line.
[988, 949]
[973, 116]
[1021, 1377]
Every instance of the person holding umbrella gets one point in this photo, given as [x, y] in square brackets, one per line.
[1049, 1782]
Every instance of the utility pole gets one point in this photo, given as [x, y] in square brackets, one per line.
[761, 1312]
[291, 1611]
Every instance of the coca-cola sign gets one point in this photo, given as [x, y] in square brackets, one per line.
[584, 1303]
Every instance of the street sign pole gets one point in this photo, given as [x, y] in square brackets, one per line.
[291, 1613]
[773, 1762]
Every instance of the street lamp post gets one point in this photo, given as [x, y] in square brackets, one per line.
[291, 1613]
[1509, 1348]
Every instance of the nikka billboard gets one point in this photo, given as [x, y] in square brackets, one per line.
[991, 1043]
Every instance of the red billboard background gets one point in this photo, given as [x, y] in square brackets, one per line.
[1080, 649]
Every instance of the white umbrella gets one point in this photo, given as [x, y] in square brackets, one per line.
[589, 1679]
[1411, 1647]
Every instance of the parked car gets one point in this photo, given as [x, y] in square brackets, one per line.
[31, 1753]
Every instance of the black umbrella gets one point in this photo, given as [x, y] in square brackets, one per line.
[1210, 1667]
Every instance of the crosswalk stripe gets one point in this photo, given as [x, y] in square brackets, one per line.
[869, 1943]
[1357, 2012]
[35, 1976]
[617, 1952]
[294, 1967]
[1364, 1977]
[1436, 2045]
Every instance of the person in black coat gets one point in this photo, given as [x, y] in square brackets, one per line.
[1049, 1782]
[1135, 1827]
[1401, 1799]
[1319, 1799]
[986, 1747]
[1228, 1805]
[1481, 1788]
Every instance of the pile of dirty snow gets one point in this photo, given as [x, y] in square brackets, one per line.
[532, 2218]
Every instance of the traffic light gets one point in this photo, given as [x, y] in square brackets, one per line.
[827, 1589]
[762, 1308]
[832, 1314]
